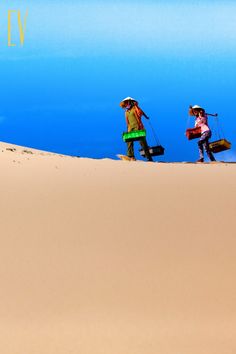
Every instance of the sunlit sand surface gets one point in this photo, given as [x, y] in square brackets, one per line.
[113, 257]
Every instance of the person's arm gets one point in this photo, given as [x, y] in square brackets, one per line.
[197, 122]
[190, 111]
[138, 114]
[142, 112]
[127, 121]
[212, 114]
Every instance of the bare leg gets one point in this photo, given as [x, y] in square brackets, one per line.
[145, 147]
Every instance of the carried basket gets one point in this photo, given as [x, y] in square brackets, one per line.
[219, 145]
[157, 150]
[134, 135]
[193, 133]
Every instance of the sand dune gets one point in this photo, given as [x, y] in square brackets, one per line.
[112, 257]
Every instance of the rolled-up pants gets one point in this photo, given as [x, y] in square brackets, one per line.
[204, 143]
[144, 145]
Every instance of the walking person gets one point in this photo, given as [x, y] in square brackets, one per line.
[201, 120]
[133, 115]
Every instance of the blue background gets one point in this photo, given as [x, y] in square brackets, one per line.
[61, 90]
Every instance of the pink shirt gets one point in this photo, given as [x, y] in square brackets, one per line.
[203, 123]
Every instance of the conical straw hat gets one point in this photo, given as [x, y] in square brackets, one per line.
[196, 107]
[193, 108]
[122, 104]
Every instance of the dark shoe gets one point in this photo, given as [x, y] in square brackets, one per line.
[200, 160]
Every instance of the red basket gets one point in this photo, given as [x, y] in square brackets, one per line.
[193, 133]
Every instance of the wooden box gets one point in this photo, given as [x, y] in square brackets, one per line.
[193, 133]
[219, 145]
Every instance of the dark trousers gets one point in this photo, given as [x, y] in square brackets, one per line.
[203, 143]
[144, 145]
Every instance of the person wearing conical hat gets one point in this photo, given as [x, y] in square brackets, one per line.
[201, 120]
[133, 115]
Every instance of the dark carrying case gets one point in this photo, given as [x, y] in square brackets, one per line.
[154, 151]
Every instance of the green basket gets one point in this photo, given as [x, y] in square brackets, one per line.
[134, 135]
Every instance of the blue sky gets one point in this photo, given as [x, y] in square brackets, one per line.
[61, 90]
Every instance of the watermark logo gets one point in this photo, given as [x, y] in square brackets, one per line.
[21, 23]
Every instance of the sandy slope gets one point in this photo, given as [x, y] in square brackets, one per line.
[112, 257]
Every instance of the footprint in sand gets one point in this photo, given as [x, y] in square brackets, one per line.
[27, 152]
